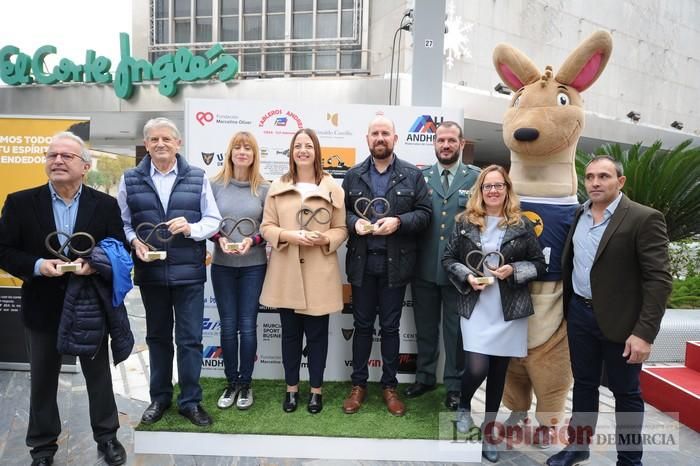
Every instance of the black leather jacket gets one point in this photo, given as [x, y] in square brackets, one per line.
[407, 194]
[519, 248]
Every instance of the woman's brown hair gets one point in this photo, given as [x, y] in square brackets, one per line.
[293, 174]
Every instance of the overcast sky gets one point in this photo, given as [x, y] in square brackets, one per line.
[72, 26]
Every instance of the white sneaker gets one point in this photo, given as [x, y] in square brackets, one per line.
[245, 397]
[227, 398]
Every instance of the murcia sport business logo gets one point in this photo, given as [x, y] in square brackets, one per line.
[422, 131]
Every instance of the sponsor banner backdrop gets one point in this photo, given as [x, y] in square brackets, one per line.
[23, 141]
[342, 130]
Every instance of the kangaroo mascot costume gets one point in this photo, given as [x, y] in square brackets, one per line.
[541, 128]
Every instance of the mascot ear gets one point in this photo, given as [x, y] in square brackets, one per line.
[514, 67]
[586, 62]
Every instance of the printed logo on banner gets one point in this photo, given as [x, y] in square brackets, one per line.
[347, 333]
[266, 152]
[280, 121]
[267, 359]
[267, 310]
[370, 363]
[207, 157]
[204, 117]
[211, 327]
[335, 131]
[213, 357]
[407, 363]
[408, 336]
[422, 131]
[337, 160]
[271, 331]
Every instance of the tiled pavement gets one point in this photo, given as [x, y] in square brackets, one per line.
[76, 446]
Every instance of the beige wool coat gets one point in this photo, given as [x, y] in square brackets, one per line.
[304, 278]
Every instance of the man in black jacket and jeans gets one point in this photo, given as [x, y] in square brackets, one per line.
[380, 262]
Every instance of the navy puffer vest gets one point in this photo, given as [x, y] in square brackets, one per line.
[185, 259]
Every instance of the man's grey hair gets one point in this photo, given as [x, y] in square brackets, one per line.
[160, 122]
[84, 151]
[618, 165]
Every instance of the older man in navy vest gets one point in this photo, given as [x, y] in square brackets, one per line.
[165, 188]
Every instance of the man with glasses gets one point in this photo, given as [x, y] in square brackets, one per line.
[449, 182]
[164, 188]
[64, 204]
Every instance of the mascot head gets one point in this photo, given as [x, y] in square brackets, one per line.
[545, 119]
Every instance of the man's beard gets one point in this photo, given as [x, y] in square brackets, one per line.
[381, 155]
[448, 160]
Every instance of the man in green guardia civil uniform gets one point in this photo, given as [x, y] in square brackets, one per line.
[449, 182]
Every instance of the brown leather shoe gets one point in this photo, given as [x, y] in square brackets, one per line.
[354, 401]
[393, 402]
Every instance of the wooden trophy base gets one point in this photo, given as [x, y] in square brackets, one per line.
[231, 247]
[156, 255]
[484, 280]
[68, 267]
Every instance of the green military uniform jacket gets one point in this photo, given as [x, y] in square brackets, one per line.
[446, 205]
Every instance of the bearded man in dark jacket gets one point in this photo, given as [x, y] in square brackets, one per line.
[380, 261]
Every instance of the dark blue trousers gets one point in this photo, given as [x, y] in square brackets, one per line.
[589, 350]
[183, 308]
[294, 327]
[374, 298]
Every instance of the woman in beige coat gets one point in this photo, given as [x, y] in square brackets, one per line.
[304, 222]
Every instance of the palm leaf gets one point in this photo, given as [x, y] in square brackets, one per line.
[666, 180]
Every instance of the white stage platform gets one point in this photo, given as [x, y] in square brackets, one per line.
[287, 446]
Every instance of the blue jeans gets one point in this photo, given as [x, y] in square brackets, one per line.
[183, 307]
[589, 349]
[237, 291]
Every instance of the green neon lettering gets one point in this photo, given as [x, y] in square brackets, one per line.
[168, 69]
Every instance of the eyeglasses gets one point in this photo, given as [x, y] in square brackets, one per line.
[65, 156]
[497, 186]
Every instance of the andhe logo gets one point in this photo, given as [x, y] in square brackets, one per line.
[204, 117]
[213, 357]
[423, 129]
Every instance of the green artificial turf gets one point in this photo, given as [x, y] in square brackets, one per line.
[266, 416]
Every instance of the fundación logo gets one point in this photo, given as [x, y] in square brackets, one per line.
[204, 117]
